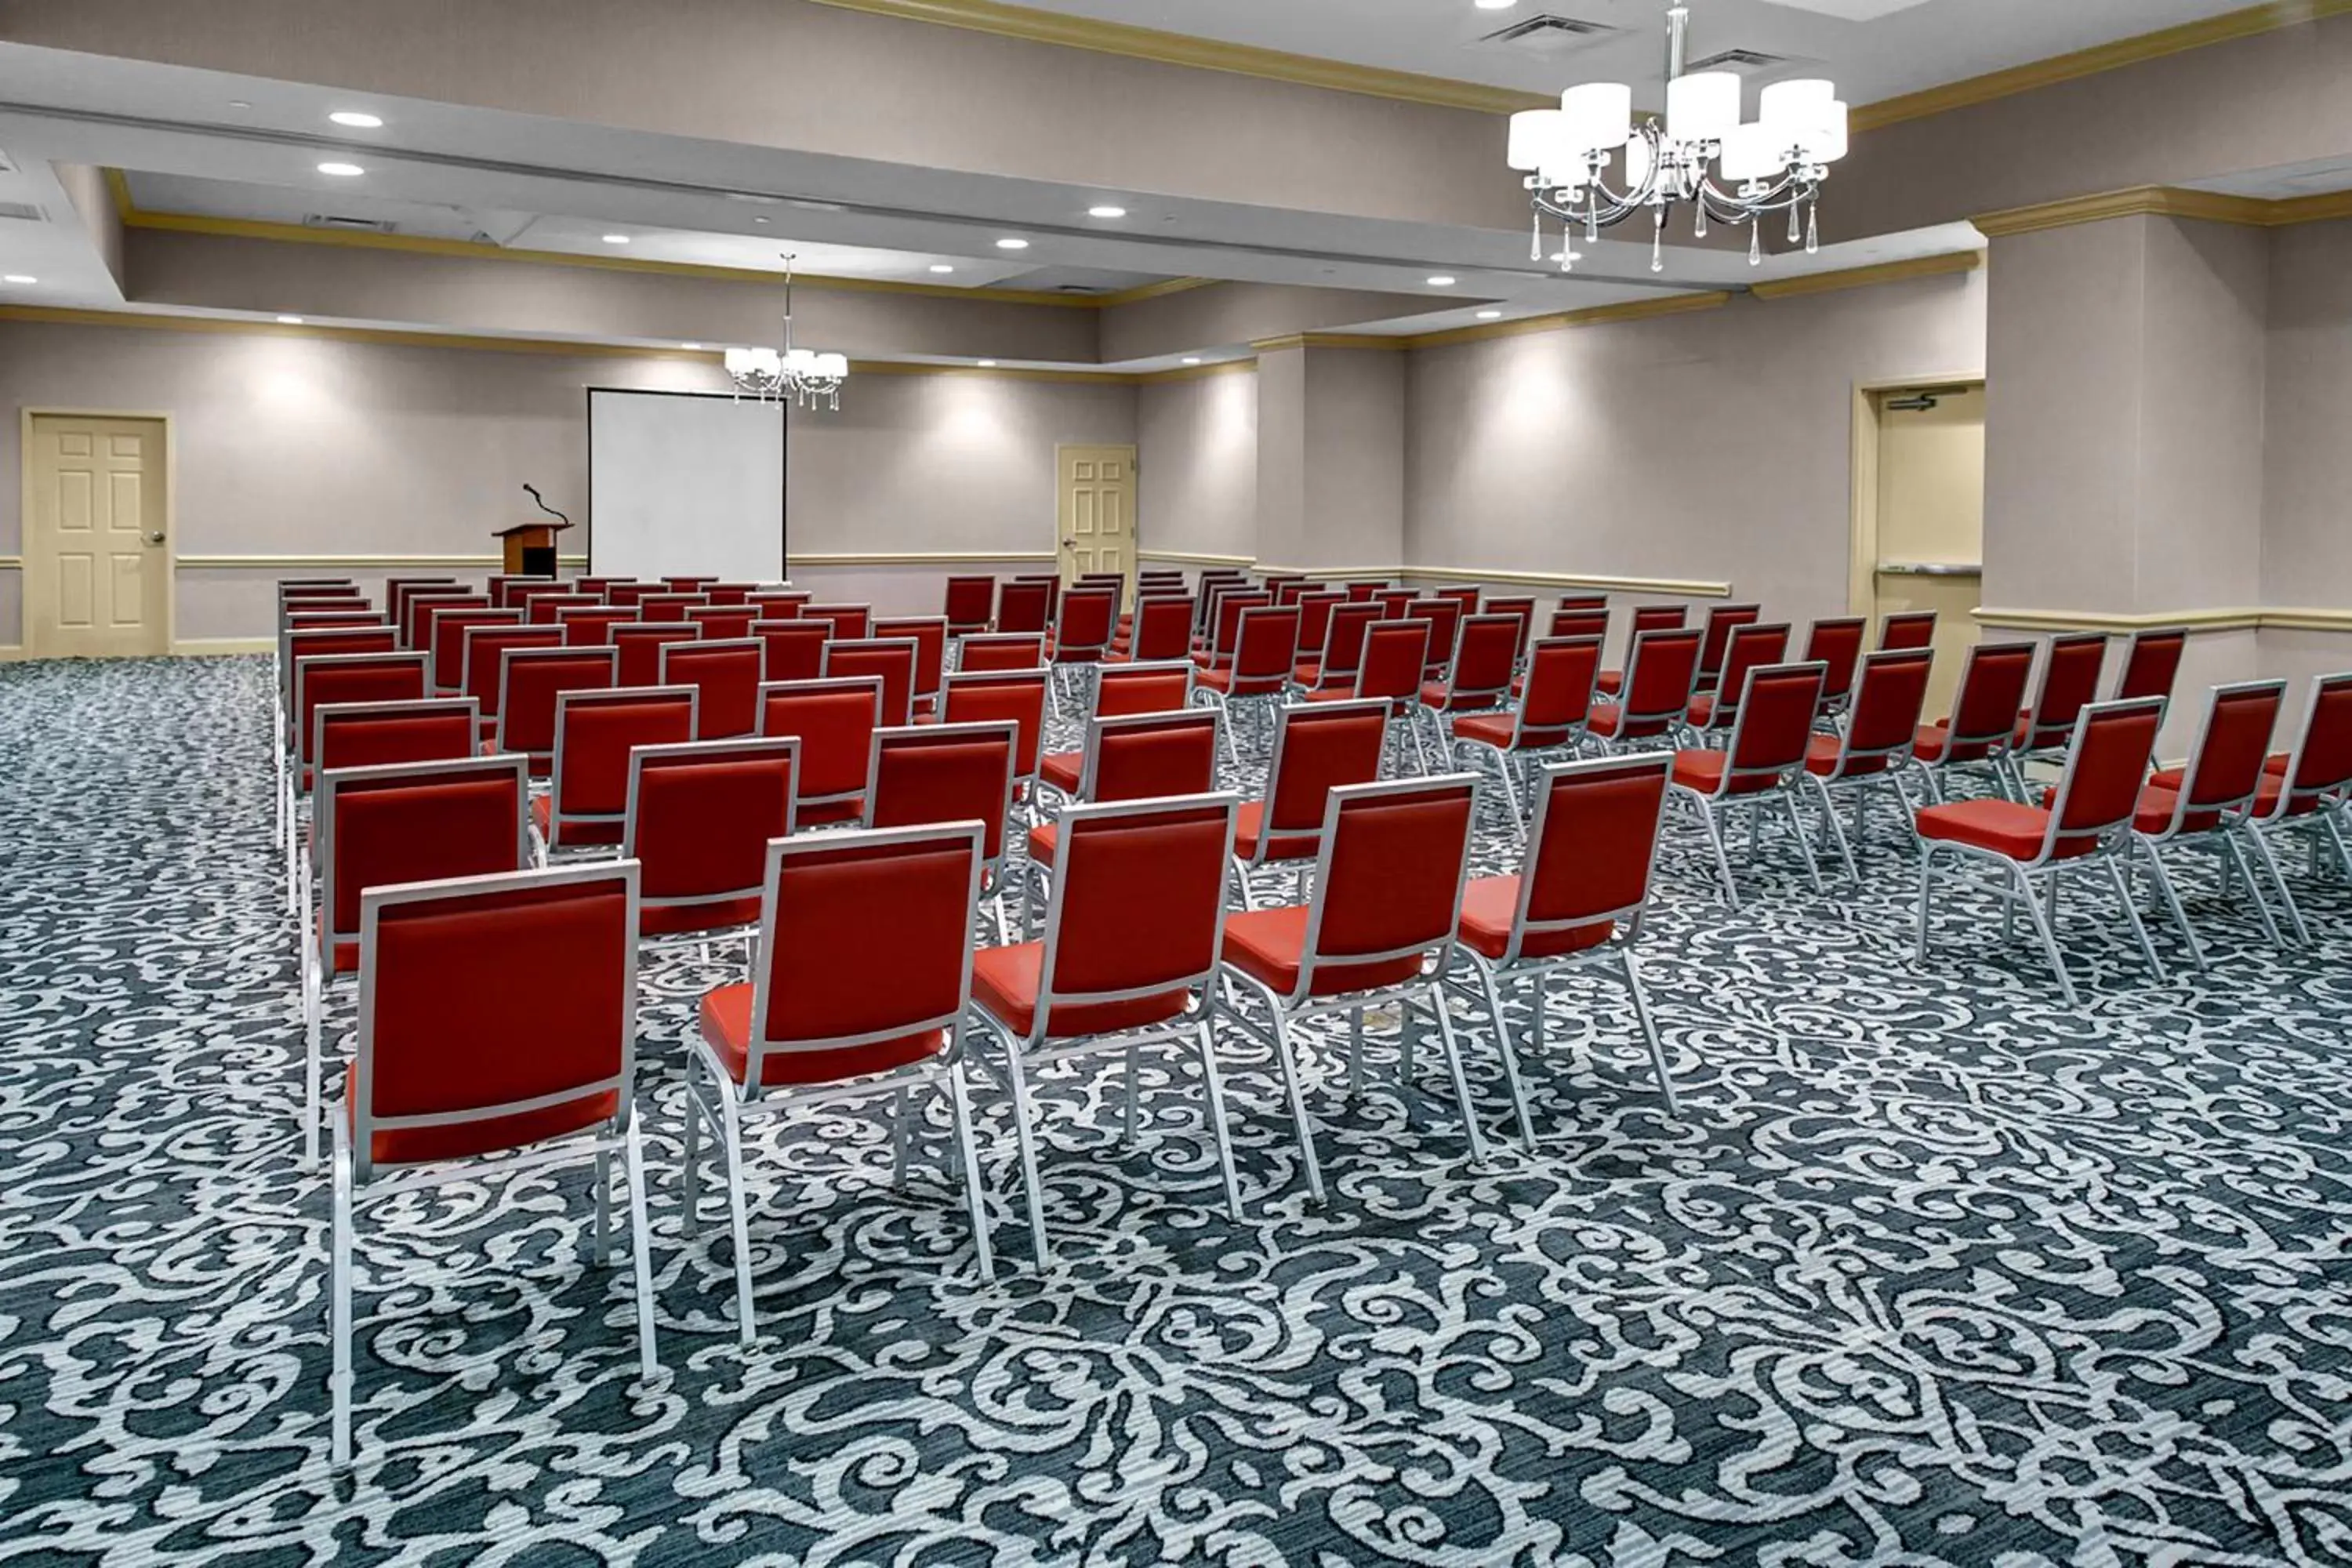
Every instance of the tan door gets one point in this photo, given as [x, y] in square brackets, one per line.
[97, 562]
[1097, 511]
[1931, 524]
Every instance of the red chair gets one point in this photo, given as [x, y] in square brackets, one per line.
[397, 592]
[441, 635]
[1163, 631]
[892, 659]
[1551, 717]
[970, 605]
[588, 803]
[1578, 899]
[1395, 654]
[1317, 748]
[1264, 649]
[532, 679]
[784, 605]
[485, 663]
[688, 584]
[1213, 590]
[1753, 646]
[1377, 931]
[791, 650]
[320, 678]
[1226, 630]
[592, 626]
[2152, 663]
[721, 622]
[1025, 605]
[834, 720]
[600, 587]
[1875, 747]
[410, 822]
[2215, 796]
[850, 621]
[1646, 618]
[2089, 823]
[456, 1061]
[1444, 618]
[2308, 792]
[728, 676]
[1524, 608]
[1396, 603]
[667, 606]
[304, 641]
[1360, 591]
[860, 980]
[1582, 624]
[1082, 631]
[522, 595]
[1139, 756]
[1584, 601]
[2070, 682]
[1983, 721]
[1721, 622]
[1910, 630]
[947, 773]
[412, 624]
[1760, 764]
[730, 593]
[1486, 654]
[1836, 645]
[1289, 591]
[640, 648]
[629, 595]
[1655, 698]
[1342, 653]
[1016, 697]
[699, 819]
[1119, 692]
[1001, 650]
[375, 733]
[547, 609]
[930, 635]
[1116, 972]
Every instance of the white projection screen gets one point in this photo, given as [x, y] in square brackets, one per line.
[684, 483]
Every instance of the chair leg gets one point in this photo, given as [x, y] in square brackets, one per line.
[338, 1307]
[730, 1137]
[2235, 865]
[1505, 770]
[2042, 929]
[1722, 857]
[632, 1170]
[898, 1137]
[2278, 879]
[1837, 834]
[1212, 1094]
[689, 1172]
[1242, 879]
[314, 1025]
[1128, 1107]
[1649, 1029]
[2334, 830]
[1027, 1136]
[1283, 1056]
[1445, 1043]
[2171, 897]
[1503, 1043]
[1805, 845]
[1355, 1052]
[1926, 884]
[2138, 926]
[959, 1105]
[602, 1234]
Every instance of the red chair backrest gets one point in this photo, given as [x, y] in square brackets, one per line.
[930, 635]
[324, 677]
[727, 675]
[699, 818]
[414, 822]
[534, 677]
[1315, 620]
[640, 645]
[2322, 762]
[1266, 648]
[1230, 606]
[446, 640]
[1660, 675]
[1887, 707]
[1444, 618]
[1343, 640]
[1753, 646]
[1140, 756]
[1164, 628]
[311, 642]
[594, 731]
[791, 650]
[446, 1035]
[1023, 606]
[1002, 650]
[1124, 689]
[721, 622]
[1562, 672]
[1467, 598]
[2152, 664]
[1525, 609]
[592, 626]
[849, 621]
[834, 720]
[411, 621]
[2070, 679]
[1911, 629]
[1836, 647]
[1590, 848]
[1580, 623]
[1720, 622]
[1318, 747]
[1360, 591]
[484, 661]
[397, 592]
[1395, 604]
[1487, 649]
[1992, 690]
[1102, 941]
[1016, 697]
[1389, 888]
[1585, 601]
[1288, 591]
[547, 609]
[1660, 618]
[891, 659]
[730, 593]
[628, 595]
[1395, 653]
[970, 604]
[943, 773]
[1086, 621]
[600, 587]
[302, 619]
[782, 606]
[376, 734]
[863, 937]
[688, 584]
[1777, 706]
[2107, 767]
[667, 606]
[2226, 769]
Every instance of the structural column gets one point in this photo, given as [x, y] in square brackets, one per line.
[1330, 456]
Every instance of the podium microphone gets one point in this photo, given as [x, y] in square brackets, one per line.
[532, 492]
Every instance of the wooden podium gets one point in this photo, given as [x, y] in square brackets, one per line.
[530, 548]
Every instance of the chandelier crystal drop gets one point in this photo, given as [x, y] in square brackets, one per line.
[1590, 166]
[811, 379]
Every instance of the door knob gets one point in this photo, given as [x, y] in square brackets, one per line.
[1069, 544]
[155, 538]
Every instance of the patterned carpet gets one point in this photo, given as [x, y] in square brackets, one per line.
[1931, 1269]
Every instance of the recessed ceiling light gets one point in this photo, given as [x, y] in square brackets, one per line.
[941, 266]
[985, 364]
[616, 239]
[342, 170]
[1194, 359]
[290, 320]
[19, 278]
[238, 103]
[1490, 315]
[1011, 244]
[1106, 212]
[762, 220]
[358, 120]
[1497, 4]
[1442, 280]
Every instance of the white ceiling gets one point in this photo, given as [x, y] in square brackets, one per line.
[1874, 48]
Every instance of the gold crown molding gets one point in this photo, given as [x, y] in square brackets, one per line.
[1142, 291]
[999, 373]
[2245, 24]
[1199, 54]
[1868, 276]
[1328, 340]
[1598, 315]
[1196, 371]
[2326, 207]
[2166, 201]
[397, 336]
[2237, 618]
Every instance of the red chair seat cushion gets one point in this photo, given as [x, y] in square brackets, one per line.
[1249, 829]
[1269, 945]
[1332, 694]
[1224, 680]
[1041, 841]
[1931, 741]
[1821, 757]
[1702, 709]
[1062, 770]
[678, 919]
[2003, 827]
[1611, 680]
[725, 1015]
[1007, 981]
[459, 1141]
[1306, 674]
[811, 814]
[1702, 771]
[1487, 906]
[1487, 729]
[1441, 695]
[2276, 764]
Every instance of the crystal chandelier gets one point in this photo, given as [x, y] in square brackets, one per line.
[1771, 164]
[808, 378]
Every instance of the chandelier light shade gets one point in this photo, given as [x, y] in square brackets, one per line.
[808, 378]
[1728, 170]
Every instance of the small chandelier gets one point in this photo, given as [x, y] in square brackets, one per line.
[1772, 164]
[808, 378]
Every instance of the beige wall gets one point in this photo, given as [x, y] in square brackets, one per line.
[1331, 466]
[1197, 465]
[1709, 446]
[85, 187]
[304, 446]
[2307, 459]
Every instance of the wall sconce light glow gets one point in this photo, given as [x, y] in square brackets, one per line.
[342, 170]
[1192, 359]
[19, 278]
[1442, 280]
[1105, 211]
[1011, 244]
[1490, 315]
[358, 120]
[290, 320]
[690, 345]
[616, 239]
[985, 364]
[941, 266]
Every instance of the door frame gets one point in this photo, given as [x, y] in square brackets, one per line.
[1862, 529]
[30, 560]
[1135, 503]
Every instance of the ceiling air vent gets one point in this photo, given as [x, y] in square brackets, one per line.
[1741, 62]
[23, 212]
[1076, 289]
[1548, 35]
[362, 224]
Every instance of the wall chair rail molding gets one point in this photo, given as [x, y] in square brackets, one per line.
[2166, 201]
[2236, 618]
